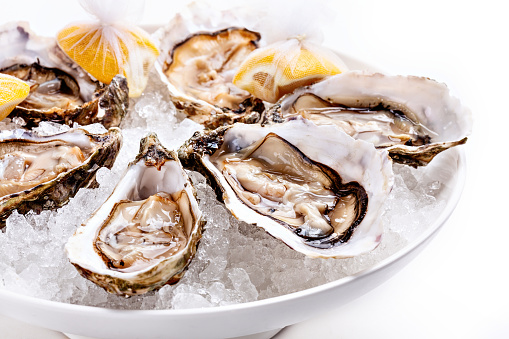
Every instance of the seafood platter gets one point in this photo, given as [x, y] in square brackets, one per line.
[209, 174]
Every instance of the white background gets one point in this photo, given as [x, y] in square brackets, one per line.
[458, 287]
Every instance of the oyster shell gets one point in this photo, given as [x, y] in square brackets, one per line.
[43, 172]
[61, 91]
[414, 118]
[199, 71]
[146, 233]
[286, 178]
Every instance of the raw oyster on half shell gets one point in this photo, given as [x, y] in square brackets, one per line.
[43, 172]
[61, 91]
[414, 118]
[146, 233]
[320, 200]
[199, 69]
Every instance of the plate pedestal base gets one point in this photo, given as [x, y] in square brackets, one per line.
[262, 335]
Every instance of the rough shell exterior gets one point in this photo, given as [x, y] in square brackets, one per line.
[424, 101]
[56, 192]
[201, 111]
[159, 164]
[354, 161]
[105, 104]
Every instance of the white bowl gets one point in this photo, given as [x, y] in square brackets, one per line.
[258, 319]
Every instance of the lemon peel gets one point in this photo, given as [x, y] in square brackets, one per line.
[12, 92]
[275, 70]
[107, 50]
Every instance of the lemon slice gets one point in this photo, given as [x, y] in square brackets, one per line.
[12, 92]
[278, 69]
[106, 50]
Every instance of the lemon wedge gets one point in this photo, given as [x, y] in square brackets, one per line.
[278, 69]
[106, 50]
[12, 92]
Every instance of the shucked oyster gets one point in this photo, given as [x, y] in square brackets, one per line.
[60, 91]
[199, 71]
[414, 118]
[146, 233]
[43, 172]
[320, 200]
[49, 87]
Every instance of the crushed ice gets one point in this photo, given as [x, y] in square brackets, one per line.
[235, 262]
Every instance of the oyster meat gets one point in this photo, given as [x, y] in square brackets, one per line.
[146, 233]
[43, 172]
[49, 87]
[286, 178]
[199, 71]
[60, 91]
[414, 118]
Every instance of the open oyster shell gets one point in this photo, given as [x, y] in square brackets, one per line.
[320, 200]
[414, 118]
[61, 91]
[146, 233]
[198, 64]
[43, 172]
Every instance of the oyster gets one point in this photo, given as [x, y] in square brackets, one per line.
[320, 200]
[146, 233]
[414, 118]
[43, 172]
[199, 71]
[60, 91]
